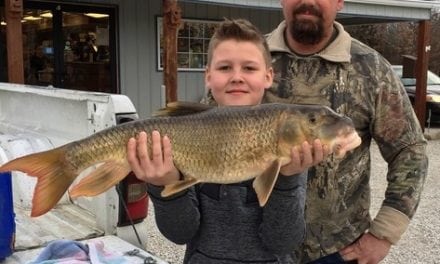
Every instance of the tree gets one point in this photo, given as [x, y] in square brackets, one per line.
[393, 40]
[434, 58]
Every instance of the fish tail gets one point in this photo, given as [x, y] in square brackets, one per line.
[53, 177]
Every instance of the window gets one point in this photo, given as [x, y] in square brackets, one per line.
[68, 46]
[192, 43]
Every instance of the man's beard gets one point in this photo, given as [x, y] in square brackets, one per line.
[306, 31]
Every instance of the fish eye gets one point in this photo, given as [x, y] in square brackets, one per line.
[312, 119]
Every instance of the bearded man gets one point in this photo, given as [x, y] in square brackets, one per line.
[317, 62]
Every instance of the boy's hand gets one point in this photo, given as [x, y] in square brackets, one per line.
[305, 157]
[157, 167]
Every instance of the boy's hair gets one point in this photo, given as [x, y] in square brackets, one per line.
[239, 30]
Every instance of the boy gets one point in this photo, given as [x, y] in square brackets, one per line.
[224, 223]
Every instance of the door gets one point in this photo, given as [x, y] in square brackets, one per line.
[70, 46]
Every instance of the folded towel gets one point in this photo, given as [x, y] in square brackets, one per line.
[73, 252]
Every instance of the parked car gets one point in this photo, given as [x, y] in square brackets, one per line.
[432, 93]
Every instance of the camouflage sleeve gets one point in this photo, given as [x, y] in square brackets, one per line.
[208, 98]
[402, 144]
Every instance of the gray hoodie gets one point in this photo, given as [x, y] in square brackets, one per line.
[224, 223]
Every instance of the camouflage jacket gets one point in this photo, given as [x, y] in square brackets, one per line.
[354, 80]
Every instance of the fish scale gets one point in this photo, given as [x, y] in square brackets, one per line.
[232, 142]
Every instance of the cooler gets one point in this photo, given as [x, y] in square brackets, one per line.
[7, 223]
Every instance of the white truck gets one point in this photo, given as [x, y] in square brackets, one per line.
[34, 119]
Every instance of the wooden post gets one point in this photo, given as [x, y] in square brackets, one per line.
[171, 22]
[14, 40]
[423, 48]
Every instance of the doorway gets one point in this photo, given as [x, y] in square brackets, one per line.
[70, 46]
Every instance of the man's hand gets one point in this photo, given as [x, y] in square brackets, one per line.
[305, 157]
[157, 167]
[368, 249]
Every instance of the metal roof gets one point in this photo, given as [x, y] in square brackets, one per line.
[373, 11]
[355, 11]
[276, 4]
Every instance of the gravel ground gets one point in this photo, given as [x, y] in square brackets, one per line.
[421, 242]
[419, 245]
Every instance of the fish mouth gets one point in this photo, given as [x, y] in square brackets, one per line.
[346, 141]
[347, 131]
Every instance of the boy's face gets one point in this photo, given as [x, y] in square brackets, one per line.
[238, 74]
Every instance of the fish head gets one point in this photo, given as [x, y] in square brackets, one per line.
[301, 123]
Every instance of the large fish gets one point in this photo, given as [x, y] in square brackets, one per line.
[210, 144]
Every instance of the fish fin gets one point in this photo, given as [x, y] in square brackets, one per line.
[53, 177]
[182, 108]
[264, 183]
[100, 180]
[173, 188]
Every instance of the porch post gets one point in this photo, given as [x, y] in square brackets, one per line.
[423, 48]
[14, 40]
[171, 22]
